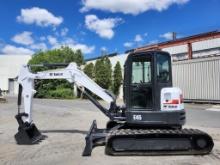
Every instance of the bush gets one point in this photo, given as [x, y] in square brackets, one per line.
[64, 93]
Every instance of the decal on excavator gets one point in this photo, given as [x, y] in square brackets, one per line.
[137, 117]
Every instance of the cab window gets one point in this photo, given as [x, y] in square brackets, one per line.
[163, 69]
[141, 71]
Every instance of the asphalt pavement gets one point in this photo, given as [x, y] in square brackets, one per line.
[198, 115]
[66, 123]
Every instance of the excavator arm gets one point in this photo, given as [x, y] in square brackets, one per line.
[72, 74]
[27, 131]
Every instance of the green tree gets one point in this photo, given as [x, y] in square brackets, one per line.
[103, 72]
[108, 66]
[117, 78]
[55, 88]
[89, 70]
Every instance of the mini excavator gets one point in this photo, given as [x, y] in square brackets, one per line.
[150, 122]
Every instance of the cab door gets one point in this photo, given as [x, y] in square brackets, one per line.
[141, 89]
[163, 75]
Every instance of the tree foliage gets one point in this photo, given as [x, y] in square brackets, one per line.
[89, 70]
[103, 72]
[55, 88]
[117, 78]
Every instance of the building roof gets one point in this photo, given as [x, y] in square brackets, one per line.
[184, 40]
[99, 57]
[179, 41]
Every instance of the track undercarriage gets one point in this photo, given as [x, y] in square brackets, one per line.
[120, 142]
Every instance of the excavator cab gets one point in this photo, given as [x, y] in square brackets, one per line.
[145, 75]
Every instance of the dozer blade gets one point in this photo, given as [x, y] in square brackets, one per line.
[95, 137]
[158, 142]
[28, 135]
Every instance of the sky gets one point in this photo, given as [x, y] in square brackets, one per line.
[97, 26]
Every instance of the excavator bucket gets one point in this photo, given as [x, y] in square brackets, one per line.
[27, 133]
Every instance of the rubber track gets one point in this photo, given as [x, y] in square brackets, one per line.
[159, 133]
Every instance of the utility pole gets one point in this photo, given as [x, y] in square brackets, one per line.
[174, 35]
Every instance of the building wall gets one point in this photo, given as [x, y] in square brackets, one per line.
[121, 58]
[9, 68]
[199, 79]
[200, 49]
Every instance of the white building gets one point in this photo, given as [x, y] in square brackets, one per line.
[9, 68]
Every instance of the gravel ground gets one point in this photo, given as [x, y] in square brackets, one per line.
[66, 124]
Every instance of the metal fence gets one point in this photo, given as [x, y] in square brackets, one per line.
[199, 79]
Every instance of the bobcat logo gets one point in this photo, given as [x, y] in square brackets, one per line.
[56, 74]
